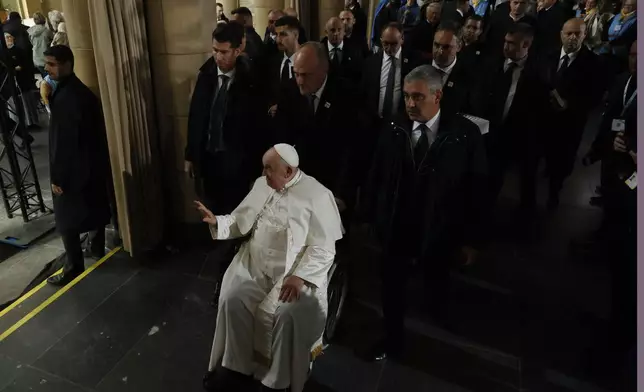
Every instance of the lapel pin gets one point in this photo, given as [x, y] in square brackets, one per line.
[478, 52]
[327, 105]
[450, 84]
[405, 61]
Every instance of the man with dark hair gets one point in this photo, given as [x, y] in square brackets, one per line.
[282, 88]
[516, 100]
[501, 21]
[550, 20]
[458, 15]
[460, 85]
[360, 17]
[79, 163]
[254, 44]
[221, 17]
[223, 143]
[270, 36]
[473, 51]
[351, 37]
[423, 196]
[346, 60]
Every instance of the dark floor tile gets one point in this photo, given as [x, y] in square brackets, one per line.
[341, 371]
[396, 377]
[31, 379]
[9, 369]
[32, 339]
[189, 262]
[95, 346]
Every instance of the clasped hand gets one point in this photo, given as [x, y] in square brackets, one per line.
[291, 289]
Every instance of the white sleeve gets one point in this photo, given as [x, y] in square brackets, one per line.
[226, 228]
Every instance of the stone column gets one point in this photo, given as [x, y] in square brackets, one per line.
[229, 5]
[80, 41]
[260, 10]
[180, 41]
[326, 10]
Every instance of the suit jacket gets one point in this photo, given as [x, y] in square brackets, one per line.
[525, 119]
[286, 94]
[240, 128]
[351, 65]
[421, 38]
[452, 15]
[325, 141]
[461, 91]
[576, 88]
[473, 55]
[499, 24]
[358, 42]
[254, 44]
[548, 32]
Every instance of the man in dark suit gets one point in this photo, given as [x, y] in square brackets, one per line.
[254, 44]
[381, 87]
[550, 20]
[421, 37]
[460, 92]
[360, 17]
[572, 97]
[346, 60]
[388, 14]
[516, 101]
[327, 124]
[423, 200]
[79, 163]
[459, 14]
[473, 51]
[501, 22]
[351, 37]
[282, 88]
[270, 36]
[292, 12]
[223, 143]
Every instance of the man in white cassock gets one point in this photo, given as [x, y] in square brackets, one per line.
[273, 304]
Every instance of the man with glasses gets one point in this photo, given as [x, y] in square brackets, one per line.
[423, 196]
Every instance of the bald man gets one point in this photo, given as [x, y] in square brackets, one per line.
[324, 123]
[273, 301]
[351, 37]
[346, 59]
[572, 97]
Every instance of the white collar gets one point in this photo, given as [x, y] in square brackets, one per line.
[516, 19]
[431, 124]
[397, 55]
[230, 74]
[288, 58]
[319, 93]
[447, 69]
[519, 63]
[571, 56]
[548, 9]
[296, 178]
[331, 47]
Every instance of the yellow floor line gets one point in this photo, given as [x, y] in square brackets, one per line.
[27, 295]
[54, 297]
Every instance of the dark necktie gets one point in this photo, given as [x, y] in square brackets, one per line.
[311, 98]
[387, 107]
[286, 75]
[562, 69]
[506, 83]
[217, 116]
[422, 146]
[337, 61]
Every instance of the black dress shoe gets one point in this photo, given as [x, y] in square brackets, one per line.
[63, 278]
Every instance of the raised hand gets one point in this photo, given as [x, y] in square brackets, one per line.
[206, 215]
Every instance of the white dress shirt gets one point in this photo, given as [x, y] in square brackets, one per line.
[290, 66]
[516, 74]
[331, 49]
[384, 75]
[444, 71]
[432, 130]
[318, 96]
[571, 56]
[230, 74]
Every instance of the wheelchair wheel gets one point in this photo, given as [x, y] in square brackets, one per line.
[337, 295]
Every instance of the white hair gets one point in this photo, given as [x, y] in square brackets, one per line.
[427, 74]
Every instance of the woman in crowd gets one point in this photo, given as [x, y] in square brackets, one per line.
[54, 19]
[40, 37]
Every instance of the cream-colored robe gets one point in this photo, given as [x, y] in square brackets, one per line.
[292, 232]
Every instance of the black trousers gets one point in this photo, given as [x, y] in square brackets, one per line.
[74, 259]
[397, 265]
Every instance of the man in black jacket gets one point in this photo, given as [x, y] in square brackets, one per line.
[501, 21]
[346, 60]
[568, 73]
[473, 52]
[424, 200]
[360, 28]
[351, 37]
[79, 163]
[421, 37]
[254, 44]
[516, 99]
[550, 20]
[270, 36]
[224, 144]
[459, 14]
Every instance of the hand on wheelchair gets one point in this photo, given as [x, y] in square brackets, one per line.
[291, 289]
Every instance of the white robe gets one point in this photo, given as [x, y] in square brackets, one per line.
[292, 232]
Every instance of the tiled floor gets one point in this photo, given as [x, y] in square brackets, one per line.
[524, 318]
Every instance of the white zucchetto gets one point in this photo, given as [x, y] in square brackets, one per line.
[288, 154]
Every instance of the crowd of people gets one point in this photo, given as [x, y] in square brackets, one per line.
[413, 132]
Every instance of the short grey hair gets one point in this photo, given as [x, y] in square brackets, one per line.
[427, 74]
